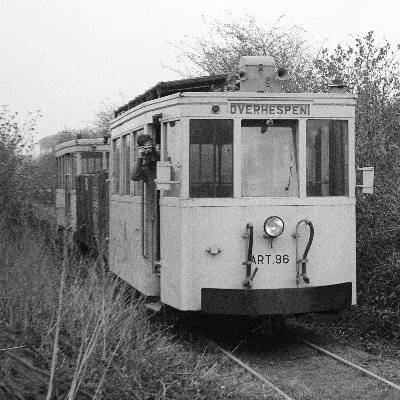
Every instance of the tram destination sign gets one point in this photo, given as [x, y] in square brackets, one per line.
[268, 109]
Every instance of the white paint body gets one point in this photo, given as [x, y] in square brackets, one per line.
[190, 226]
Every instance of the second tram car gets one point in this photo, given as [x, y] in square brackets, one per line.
[82, 190]
[254, 211]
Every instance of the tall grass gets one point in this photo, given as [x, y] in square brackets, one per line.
[94, 338]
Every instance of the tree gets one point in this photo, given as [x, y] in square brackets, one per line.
[99, 126]
[16, 145]
[228, 41]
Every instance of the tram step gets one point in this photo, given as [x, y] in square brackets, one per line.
[156, 307]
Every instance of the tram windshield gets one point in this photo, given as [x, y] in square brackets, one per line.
[269, 158]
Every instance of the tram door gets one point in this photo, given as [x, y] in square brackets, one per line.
[151, 217]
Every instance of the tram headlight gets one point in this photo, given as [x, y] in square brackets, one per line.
[273, 226]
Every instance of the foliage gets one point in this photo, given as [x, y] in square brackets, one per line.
[99, 127]
[103, 117]
[16, 145]
[227, 42]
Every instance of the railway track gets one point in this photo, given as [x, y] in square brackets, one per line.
[299, 369]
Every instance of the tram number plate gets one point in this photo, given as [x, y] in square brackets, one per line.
[269, 259]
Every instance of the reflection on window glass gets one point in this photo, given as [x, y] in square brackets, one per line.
[269, 159]
[327, 158]
[116, 166]
[91, 162]
[211, 158]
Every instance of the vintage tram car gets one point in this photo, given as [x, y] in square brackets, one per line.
[254, 212]
[82, 191]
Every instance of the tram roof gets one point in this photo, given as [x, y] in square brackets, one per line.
[81, 143]
[161, 89]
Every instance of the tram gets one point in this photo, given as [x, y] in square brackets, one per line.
[252, 211]
[82, 191]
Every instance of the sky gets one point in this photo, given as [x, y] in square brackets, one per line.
[70, 58]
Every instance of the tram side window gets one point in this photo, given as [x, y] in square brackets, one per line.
[58, 164]
[107, 160]
[269, 158]
[116, 165]
[67, 171]
[172, 154]
[137, 185]
[74, 166]
[126, 154]
[327, 158]
[211, 158]
[62, 168]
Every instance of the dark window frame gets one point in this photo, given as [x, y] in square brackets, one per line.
[332, 178]
[211, 139]
[116, 165]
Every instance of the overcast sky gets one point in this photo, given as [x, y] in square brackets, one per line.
[67, 58]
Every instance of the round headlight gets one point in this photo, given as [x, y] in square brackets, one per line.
[274, 226]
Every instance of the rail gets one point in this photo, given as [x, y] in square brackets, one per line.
[348, 363]
[309, 344]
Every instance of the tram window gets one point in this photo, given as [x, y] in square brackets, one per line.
[62, 172]
[74, 164]
[84, 160]
[211, 158]
[116, 166]
[172, 152]
[59, 173]
[67, 173]
[327, 158]
[91, 162]
[126, 154]
[98, 161]
[269, 159]
[137, 185]
[107, 160]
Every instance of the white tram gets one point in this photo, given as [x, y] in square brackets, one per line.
[256, 196]
[82, 192]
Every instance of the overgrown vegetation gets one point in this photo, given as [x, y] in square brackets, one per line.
[228, 41]
[88, 336]
[18, 184]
